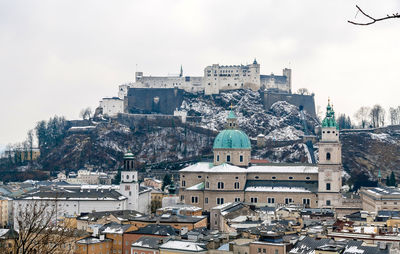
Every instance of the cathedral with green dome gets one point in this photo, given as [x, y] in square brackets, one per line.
[232, 145]
[232, 178]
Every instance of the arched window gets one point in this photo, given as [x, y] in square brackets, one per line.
[220, 185]
[328, 156]
[217, 157]
[228, 158]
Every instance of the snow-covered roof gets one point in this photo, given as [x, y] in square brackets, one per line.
[273, 168]
[183, 245]
[277, 189]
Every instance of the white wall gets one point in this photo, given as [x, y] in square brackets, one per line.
[112, 106]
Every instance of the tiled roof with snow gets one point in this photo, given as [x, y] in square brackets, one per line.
[272, 168]
[184, 246]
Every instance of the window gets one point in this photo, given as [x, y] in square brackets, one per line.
[253, 200]
[271, 200]
[236, 177]
[237, 185]
[130, 193]
[273, 178]
[228, 158]
[328, 202]
[288, 200]
[276, 251]
[259, 250]
[306, 201]
[328, 186]
[217, 157]
[237, 199]
[198, 176]
[290, 177]
[195, 200]
[127, 176]
[182, 197]
[264, 250]
[220, 185]
[183, 183]
[328, 156]
[206, 200]
[241, 158]
[308, 178]
[256, 177]
[207, 185]
[220, 201]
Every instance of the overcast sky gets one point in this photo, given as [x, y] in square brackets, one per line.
[58, 57]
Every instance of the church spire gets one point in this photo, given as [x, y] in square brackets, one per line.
[181, 72]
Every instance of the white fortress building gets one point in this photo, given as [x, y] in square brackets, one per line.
[216, 78]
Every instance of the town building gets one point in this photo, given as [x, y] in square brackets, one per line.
[231, 178]
[72, 200]
[379, 198]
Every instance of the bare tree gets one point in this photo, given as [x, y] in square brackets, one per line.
[362, 116]
[372, 20]
[86, 113]
[303, 91]
[394, 114]
[40, 232]
[377, 116]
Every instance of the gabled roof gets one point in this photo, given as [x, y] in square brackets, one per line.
[114, 228]
[121, 215]
[155, 229]
[184, 246]
[147, 242]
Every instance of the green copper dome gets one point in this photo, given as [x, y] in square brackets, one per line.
[232, 139]
[329, 120]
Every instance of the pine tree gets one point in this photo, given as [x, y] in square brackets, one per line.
[166, 181]
[392, 179]
[387, 181]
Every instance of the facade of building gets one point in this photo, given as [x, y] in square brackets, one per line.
[376, 199]
[231, 179]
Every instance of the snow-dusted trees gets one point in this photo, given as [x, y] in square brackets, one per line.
[86, 113]
[362, 115]
[394, 115]
[377, 116]
[50, 133]
[344, 122]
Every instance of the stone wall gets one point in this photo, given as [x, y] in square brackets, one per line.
[305, 102]
[156, 100]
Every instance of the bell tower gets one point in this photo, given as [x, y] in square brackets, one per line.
[330, 162]
[129, 186]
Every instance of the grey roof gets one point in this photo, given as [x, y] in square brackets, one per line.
[114, 228]
[155, 229]
[307, 245]
[168, 218]
[53, 193]
[308, 185]
[148, 242]
[125, 215]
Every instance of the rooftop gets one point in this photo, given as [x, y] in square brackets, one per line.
[206, 167]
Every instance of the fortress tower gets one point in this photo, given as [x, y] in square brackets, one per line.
[330, 162]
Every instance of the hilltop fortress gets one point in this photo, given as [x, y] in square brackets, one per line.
[155, 94]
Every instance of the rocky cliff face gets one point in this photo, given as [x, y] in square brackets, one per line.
[102, 146]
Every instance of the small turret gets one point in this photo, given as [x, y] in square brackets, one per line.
[128, 161]
[231, 121]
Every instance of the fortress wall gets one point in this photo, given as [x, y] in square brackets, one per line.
[302, 101]
[144, 121]
[158, 100]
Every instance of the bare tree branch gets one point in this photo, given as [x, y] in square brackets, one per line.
[373, 20]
